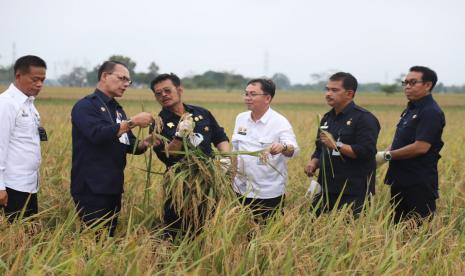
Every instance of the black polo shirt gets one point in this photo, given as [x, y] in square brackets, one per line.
[423, 120]
[99, 158]
[205, 124]
[357, 127]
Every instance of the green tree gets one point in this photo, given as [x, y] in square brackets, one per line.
[143, 78]
[76, 78]
[282, 81]
[6, 74]
[389, 88]
[92, 76]
[153, 69]
[394, 87]
[126, 60]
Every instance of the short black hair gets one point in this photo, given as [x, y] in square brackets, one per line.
[108, 67]
[268, 85]
[162, 77]
[349, 82]
[24, 63]
[427, 74]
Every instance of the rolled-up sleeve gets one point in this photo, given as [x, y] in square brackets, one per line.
[287, 136]
[430, 125]
[89, 121]
[366, 136]
[218, 134]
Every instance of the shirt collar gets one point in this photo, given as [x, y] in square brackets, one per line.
[18, 95]
[166, 113]
[346, 109]
[265, 118]
[421, 102]
[105, 98]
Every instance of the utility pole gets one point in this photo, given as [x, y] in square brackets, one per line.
[265, 63]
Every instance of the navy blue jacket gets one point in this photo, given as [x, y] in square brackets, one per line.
[99, 158]
[358, 128]
[423, 120]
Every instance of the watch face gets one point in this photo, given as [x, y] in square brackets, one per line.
[388, 156]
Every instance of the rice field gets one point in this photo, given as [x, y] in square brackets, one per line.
[231, 243]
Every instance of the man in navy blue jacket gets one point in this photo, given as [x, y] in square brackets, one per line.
[414, 153]
[101, 139]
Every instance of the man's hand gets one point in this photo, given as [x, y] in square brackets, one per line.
[3, 198]
[276, 148]
[380, 160]
[150, 140]
[185, 126]
[143, 119]
[225, 164]
[311, 167]
[328, 139]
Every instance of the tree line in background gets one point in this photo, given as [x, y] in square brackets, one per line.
[82, 77]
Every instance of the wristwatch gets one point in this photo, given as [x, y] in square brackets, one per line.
[284, 147]
[387, 156]
[130, 123]
[339, 145]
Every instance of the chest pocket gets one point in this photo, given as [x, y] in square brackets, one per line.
[24, 126]
[347, 135]
[203, 127]
[407, 129]
[266, 141]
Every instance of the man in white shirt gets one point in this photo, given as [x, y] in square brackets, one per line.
[261, 181]
[20, 139]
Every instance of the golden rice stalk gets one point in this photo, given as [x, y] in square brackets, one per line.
[196, 184]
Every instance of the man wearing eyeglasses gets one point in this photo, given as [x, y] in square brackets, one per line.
[345, 149]
[102, 137]
[261, 182]
[20, 139]
[168, 92]
[414, 153]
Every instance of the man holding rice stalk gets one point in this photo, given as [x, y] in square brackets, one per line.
[20, 139]
[345, 149]
[261, 181]
[102, 137]
[414, 153]
[189, 132]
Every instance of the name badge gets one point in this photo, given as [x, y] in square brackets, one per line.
[124, 138]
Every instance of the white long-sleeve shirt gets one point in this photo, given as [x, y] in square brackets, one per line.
[19, 141]
[254, 178]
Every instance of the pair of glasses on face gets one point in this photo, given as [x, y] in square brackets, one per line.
[122, 78]
[410, 82]
[159, 93]
[253, 95]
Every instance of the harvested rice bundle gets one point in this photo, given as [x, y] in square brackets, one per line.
[198, 183]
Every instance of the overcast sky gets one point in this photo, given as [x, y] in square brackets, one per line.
[376, 40]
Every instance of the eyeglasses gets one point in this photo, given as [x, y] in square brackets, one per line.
[122, 78]
[159, 93]
[411, 82]
[252, 94]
